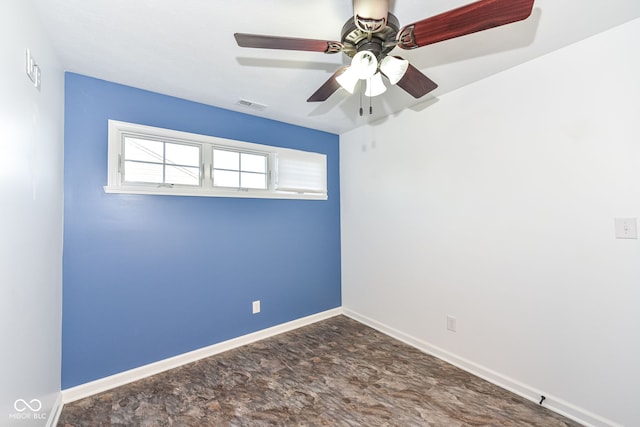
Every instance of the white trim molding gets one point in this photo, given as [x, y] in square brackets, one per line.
[557, 405]
[98, 386]
[580, 415]
[56, 410]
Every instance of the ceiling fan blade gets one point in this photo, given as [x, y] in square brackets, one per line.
[328, 88]
[287, 43]
[415, 83]
[474, 17]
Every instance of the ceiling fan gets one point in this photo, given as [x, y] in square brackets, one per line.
[373, 32]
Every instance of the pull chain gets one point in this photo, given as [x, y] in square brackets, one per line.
[370, 106]
[361, 90]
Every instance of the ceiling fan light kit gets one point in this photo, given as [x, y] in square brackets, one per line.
[373, 33]
[364, 66]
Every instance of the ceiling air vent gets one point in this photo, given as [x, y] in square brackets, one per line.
[251, 104]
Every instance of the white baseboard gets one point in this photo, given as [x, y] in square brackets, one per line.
[98, 386]
[54, 415]
[559, 406]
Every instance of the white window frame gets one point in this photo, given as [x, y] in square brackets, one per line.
[277, 158]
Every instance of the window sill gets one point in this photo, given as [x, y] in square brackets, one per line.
[255, 194]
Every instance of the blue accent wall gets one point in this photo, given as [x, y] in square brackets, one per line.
[148, 277]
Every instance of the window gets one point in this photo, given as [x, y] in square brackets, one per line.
[235, 169]
[149, 160]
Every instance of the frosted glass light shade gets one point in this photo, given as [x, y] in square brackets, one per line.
[375, 85]
[364, 64]
[394, 68]
[348, 80]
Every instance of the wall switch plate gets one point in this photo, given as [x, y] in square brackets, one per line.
[451, 323]
[626, 228]
[32, 70]
[256, 307]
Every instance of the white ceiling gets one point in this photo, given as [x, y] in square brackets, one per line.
[185, 48]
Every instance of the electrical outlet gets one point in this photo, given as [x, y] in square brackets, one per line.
[256, 307]
[451, 323]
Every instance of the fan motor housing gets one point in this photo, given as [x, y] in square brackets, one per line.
[379, 43]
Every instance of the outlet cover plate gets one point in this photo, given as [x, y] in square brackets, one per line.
[451, 323]
[626, 228]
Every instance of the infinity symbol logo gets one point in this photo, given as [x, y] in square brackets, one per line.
[21, 405]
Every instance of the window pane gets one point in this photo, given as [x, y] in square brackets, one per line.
[226, 179]
[179, 154]
[182, 175]
[223, 159]
[253, 180]
[142, 172]
[254, 163]
[143, 150]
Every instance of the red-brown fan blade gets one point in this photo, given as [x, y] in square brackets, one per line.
[415, 83]
[287, 43]
[474, 17]
[328, 88]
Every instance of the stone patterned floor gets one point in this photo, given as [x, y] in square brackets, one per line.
[336, 372]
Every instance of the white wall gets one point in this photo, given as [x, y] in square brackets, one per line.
[496, 205]
[31, 209]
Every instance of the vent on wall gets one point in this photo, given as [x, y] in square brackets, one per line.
[251, 104]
